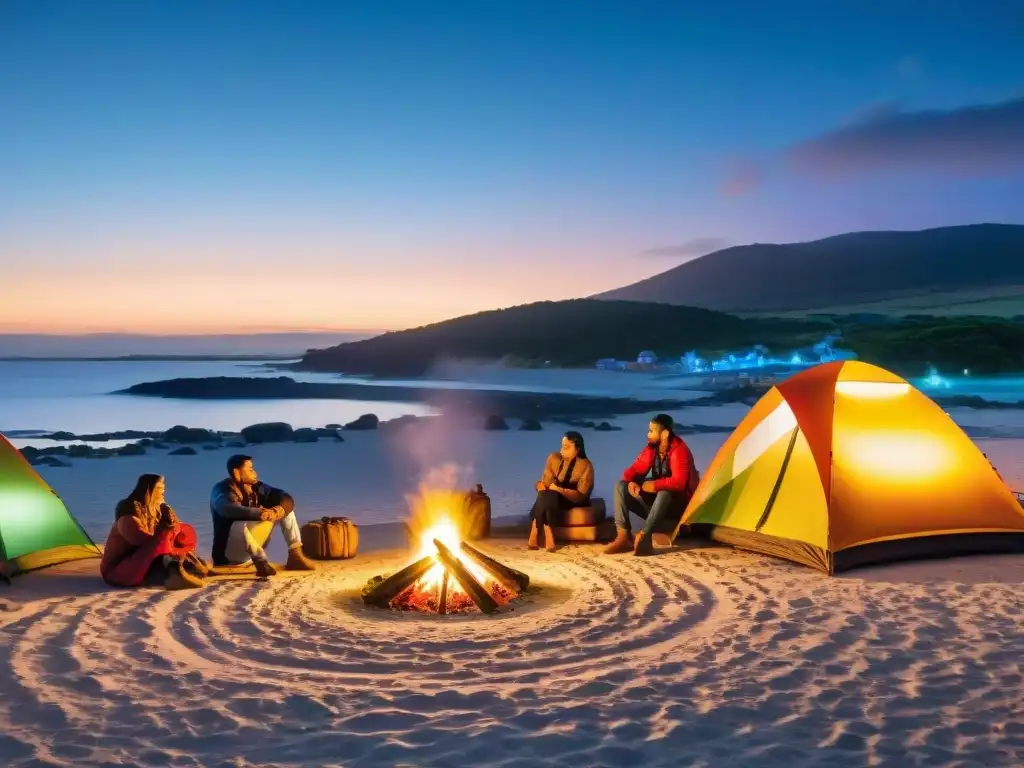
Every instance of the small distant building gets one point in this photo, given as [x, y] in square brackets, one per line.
[647, 358]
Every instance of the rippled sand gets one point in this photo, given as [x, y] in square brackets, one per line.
[704, 657]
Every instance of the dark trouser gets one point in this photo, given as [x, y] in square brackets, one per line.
[661, 510]
[549, 507]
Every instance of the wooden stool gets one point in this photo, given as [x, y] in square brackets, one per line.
[589, 523]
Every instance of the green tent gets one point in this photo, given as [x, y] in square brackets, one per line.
[36, 529]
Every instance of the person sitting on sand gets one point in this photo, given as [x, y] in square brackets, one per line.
[660, 500]
[147, 542]
[245, 511]
[566, 482]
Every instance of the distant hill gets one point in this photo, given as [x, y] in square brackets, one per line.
[566, 333]
[581, 331]
[976, 269]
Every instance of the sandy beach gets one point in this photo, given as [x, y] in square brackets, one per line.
[699, 656]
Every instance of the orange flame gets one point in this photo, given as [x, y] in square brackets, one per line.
[436, 514]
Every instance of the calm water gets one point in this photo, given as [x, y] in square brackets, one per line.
[74, 396]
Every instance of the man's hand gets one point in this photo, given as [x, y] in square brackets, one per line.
[555, 487]
[272, 514]
[648, 487]
[634, 490]
[541, 486]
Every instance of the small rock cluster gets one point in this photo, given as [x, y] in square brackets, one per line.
[184, 441]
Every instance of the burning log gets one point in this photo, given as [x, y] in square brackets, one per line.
[466, 580]
[386, 591]
[513, 580]
[442, 598]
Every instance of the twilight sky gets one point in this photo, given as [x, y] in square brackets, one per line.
[250, 165]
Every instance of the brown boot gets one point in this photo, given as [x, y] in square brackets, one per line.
[297, 561]
[264, 569]
[179, 578]
[621, 543]
[643, 546]
[549, 539]
[531, 543]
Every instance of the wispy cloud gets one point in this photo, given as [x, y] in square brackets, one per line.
[696, 247]
[981, 140]
[976, 140]
[742, 178]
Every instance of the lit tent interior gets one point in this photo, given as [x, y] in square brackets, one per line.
[846, 464]
[36, 529]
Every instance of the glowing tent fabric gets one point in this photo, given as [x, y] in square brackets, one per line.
[36, 529]
[846, 464]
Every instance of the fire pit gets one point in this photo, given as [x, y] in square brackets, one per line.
[448, 575]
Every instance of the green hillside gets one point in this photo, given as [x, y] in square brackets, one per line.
[578, 332]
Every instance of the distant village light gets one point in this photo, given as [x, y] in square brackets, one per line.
[757, 357]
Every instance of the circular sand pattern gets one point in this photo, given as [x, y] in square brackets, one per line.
[707, 657]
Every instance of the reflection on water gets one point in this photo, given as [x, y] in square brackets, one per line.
[74, 396]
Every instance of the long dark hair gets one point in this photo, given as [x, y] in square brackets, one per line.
[577, 439]
[141, 493]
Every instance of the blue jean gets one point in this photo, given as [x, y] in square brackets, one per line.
[661, 510]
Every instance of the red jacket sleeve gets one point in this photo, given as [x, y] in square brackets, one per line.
[679, 465]
[639, 468]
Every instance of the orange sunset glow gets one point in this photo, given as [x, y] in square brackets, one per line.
[149, 280]
[170, 297]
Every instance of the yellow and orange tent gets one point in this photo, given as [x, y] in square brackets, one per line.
[846, 464]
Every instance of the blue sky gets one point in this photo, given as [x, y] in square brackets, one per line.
[379, 165]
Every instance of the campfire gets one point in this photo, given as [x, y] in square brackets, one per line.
[448, 575]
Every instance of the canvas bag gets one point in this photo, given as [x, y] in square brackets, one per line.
[330, 538]
[476, 515]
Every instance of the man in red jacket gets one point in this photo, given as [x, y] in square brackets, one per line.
[660, 500]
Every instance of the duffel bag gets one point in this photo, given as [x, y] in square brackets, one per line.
[330, 538]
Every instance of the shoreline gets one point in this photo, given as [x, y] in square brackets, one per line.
[188, 441]
[510, 402]
[56, 449]
[505, 403]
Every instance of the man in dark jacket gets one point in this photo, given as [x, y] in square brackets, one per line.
[245, 511]
[661, 500]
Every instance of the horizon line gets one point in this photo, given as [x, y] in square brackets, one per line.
[187, 333]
